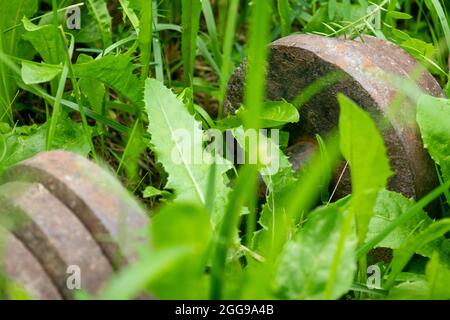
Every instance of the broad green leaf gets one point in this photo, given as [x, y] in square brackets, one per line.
[447, 89]
[363, 147]
[399, 15]
[259, 149]
[435, 286]
[10, 26]
[273, 213]
[423, 51]
[99, 11]
[433, 117]
[400, 34]
[151, 192]
[94, 90]
[179, 225]
[25, 142]
[284, 11]
[42, 39]
[105, 69]
[403, 254]
[320, 20]
[388, 208]
[145, 37]
[411, 290]
[10, 34]
[128, 11]
[331, 9]
[33, 73]
[347, 8]
[191, 10]
[438, 276]
[419, 48]
[297, 199]
[277, 175]
[178, 144]
[306, 262]
[251, 276]
[134, 279]
[274, 114]
[228, 230]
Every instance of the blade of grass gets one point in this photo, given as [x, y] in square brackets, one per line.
[350, 26]
[284, 11]
[135, 278]
[316, 87]
[145, 37]
[76, 89]
[111, 48]
[414, 210]
[40, 92]
[212, 31]
[157, 51]
[443, 19]
[99, 11]
[191, 10]
[227, 49]
[254, 97]
[125, 152]
[5, 99]
[61, 86]
[228, 227]
[441, 182]
[258, 40]
[131, 15]
[301, 198]
[404, 254]
[207, 55]
[210, 190]
[345, 232]
[57, 106]
[255, 84]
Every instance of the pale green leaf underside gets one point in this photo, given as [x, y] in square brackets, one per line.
[433, 117]
[306, 262]
[33, 73]
[177, 142]
[364, 149]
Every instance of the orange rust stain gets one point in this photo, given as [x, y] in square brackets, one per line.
[340, 48]
[368, 63]
[341, 63]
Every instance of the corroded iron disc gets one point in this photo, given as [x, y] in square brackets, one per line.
[64, 211]
[22, 267]
[55, 236]
[366, 66]
[106, 209]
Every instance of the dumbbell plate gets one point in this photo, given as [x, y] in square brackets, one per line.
[366, 67]
[21, 267]
[55, 236]
[94, 196]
